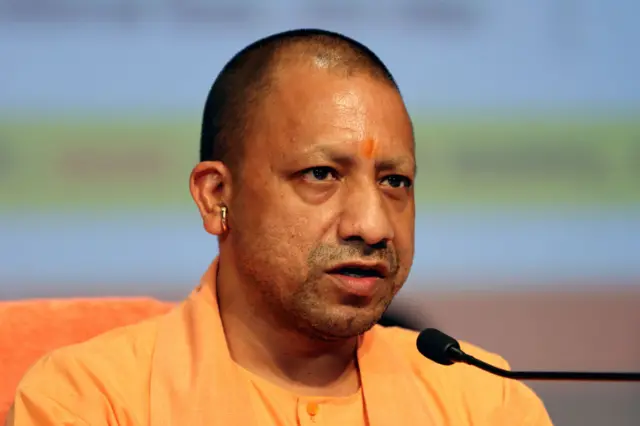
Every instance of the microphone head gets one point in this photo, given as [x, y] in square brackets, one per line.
[436, 346]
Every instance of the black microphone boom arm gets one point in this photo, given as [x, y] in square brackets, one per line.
[544, 375]
[445, 350]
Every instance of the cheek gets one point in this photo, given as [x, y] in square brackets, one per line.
[276, 212]
[273, 241]
[404, 245]
[276, 231]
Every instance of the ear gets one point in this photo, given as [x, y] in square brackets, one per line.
[210, 186]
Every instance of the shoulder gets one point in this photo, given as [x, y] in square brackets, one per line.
[405, 341]
[100, 377]
[478, 394]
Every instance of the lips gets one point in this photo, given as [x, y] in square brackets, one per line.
[359, 279]
[361, 270]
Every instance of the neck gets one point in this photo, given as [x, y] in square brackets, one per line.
[284, 356]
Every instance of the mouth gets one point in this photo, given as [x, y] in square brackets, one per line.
[359, 279]
[361, 270]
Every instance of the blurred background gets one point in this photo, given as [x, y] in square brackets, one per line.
[528, 134]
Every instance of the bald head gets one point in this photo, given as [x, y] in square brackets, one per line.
[233, 103]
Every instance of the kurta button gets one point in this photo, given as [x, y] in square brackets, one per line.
[312, 409]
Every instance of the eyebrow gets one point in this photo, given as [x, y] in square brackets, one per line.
[394, 163]
[397, 163]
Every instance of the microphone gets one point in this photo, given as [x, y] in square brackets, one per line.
[445, 350]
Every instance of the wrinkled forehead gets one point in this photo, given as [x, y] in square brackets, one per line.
[356, 116]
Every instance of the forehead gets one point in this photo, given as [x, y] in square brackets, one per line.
[311, 107]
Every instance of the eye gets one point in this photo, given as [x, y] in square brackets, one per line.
[397, 181]
[320, 174]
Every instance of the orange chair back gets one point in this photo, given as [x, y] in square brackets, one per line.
[29, 329]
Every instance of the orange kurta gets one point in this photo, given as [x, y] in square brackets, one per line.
[176, 370]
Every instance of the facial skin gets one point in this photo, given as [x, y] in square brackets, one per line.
[326, 179]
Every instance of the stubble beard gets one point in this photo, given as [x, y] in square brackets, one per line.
[312, 315]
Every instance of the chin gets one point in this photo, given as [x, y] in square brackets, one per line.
[346, 322]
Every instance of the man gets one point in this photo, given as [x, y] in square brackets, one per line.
[306, 178]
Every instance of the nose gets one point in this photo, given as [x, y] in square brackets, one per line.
[365, 216]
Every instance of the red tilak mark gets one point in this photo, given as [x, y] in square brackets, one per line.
[368, 148]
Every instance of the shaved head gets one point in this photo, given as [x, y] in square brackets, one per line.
[237, 96]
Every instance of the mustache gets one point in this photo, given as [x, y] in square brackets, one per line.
[354, 250]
